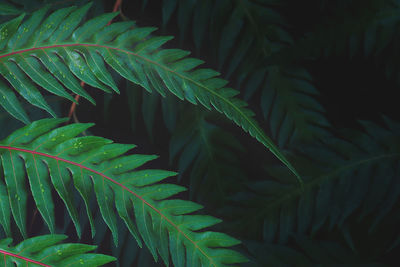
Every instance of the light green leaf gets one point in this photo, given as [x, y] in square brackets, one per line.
[69, 47]
[46, 250]
[50, 156]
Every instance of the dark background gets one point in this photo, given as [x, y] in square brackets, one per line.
[356, 80]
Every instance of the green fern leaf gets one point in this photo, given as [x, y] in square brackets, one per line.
[289, 103]
[308, 252]
[343, 180]
[236, 27]
[288, 95]
[368, 34]
[52, 156]
[61, 46]
[8, 9]
[211, 154]
[46, 250]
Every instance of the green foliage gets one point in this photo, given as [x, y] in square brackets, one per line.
[46, 250]
[342, 179]
[39, 48]
[288, 101]
[55, 157]
[340, 186]
[246, 33]
[7, 9]
[346, 212]
[212, 153]
[309, 253]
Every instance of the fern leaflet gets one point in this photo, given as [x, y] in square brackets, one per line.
[51, 52]
[46, 250]
[53, 156]
[343, 179]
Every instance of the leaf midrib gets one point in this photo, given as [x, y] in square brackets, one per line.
[266, 141]
[22, 258]
[9, 148]
[295, 192]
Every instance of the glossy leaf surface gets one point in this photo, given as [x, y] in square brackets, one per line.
[54, 157]
[55, 51]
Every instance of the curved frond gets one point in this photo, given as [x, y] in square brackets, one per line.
[208, 155]
[288, 96]
[52, 51]
[289, 103]
[46, 250]
[308, 252]
[369, 32]
[54, 157]
[7, 9]
[343, 179]
[242, 30]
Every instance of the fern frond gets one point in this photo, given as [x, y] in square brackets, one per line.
[54, 157]
[288, 96]
[7, 9]
[246, 30]
[345, 177]
[289, 104]
[367, 32]
[308, 252]
[370, 33]
[52, 52]
[46, 250]
[208, 155]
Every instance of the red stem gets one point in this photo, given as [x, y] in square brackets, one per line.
[10, 148]
[23, 258]
[117, 5]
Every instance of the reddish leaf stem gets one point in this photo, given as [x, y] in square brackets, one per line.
[23, 258]
[72, 109]
[124, 187]
[117, 6]
[73, 106]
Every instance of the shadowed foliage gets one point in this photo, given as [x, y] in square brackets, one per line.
[315, 75]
